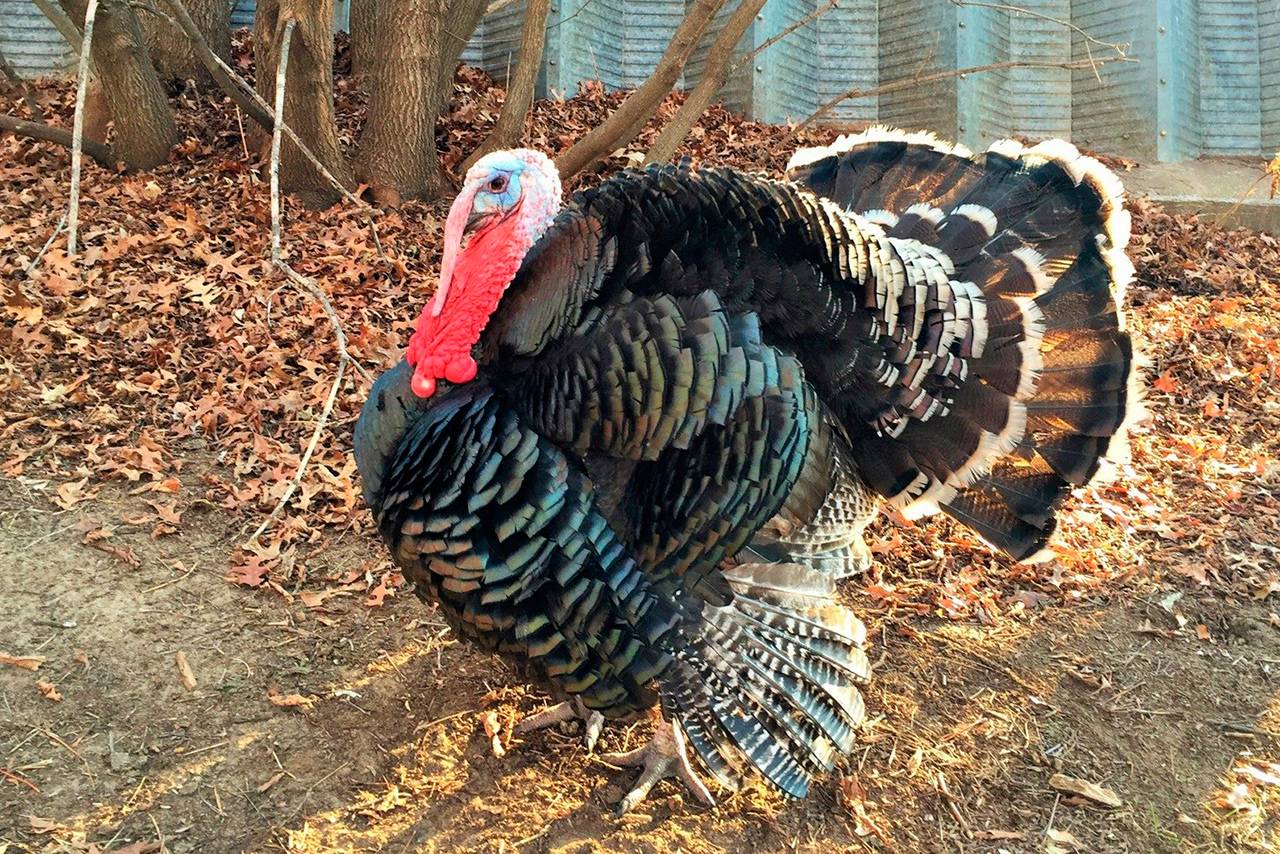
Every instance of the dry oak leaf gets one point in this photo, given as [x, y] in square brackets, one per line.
[26, 662]
[49, 690]
[290, 700]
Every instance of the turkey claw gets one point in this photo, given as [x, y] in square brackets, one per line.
[593, 720]
[665, 756]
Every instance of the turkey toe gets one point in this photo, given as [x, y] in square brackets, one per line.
[664, 757]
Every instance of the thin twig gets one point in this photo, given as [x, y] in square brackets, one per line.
[282, 70]
[344, 357]
[306, 455]
[1121, 48]
[77, 129]
[807, 19]
[248, 99]
[28, 94]
[923, 79]
[35, 262]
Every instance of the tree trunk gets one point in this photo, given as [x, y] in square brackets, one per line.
[533, 37]
[713, 77]
[171, 50]
[462, 19]
[363, 14]
[308, 103]
[407, 85]
[144, 127]
[632, 114]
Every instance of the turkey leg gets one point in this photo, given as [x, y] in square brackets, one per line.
[665, 756]
[593, 720]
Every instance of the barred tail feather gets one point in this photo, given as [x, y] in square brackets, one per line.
[1049, 380]
[772, 680]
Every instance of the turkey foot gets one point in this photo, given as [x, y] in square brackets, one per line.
[593, 721]
[665, 756]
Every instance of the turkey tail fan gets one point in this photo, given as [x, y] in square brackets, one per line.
[772, 680]
[1041, 400]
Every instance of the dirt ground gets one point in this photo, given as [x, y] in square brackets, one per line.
[163, 689]
[374, 739]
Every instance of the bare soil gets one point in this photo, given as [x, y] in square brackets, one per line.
[384, 748]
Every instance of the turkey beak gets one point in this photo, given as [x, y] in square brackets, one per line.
[473, 221]
[459, 224]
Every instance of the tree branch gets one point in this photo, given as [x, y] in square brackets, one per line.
[1121, 49]
[28, 94]
[60, 136]
[506, 131]
[216, 68]
[277, 261]
[77, 132]
[282, 71]
[807, 19]
[247, 98]
[625, 122]
[60, 19]
[714, 75]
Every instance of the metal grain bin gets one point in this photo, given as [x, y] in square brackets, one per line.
[33, 46]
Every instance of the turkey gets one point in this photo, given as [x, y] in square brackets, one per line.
[635, 439]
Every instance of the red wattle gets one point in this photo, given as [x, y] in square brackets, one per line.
[461, 370]
[441, 346]
[422, 385]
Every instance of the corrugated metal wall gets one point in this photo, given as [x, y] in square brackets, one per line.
[784, 73]
[1206, 79]
[29, 41]
[1182, 119]
[1269, 57]
[916, 37]
[1112, 110]
[1231, 76]
[849, 47]
[242, 14]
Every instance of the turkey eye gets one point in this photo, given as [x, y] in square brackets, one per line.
[498, 183]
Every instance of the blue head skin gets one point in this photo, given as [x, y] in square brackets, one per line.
[498, 192]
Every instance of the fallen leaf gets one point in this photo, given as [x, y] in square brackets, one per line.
[72, 493]
[290, 700]
[493, 730]
[1202, 632]
[1166, 383]
[185, 673]
[49, 690]
[1061, 840]
[250, 574]
[124, 554]
[139, 848]
[43, 825]
[170, 485]
[26, 662]
[1092, 791]
[1238, 799]
[854, 799]
[267, 785]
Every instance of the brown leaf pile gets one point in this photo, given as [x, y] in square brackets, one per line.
[170, 362]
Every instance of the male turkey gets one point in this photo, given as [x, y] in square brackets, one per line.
[671, 407]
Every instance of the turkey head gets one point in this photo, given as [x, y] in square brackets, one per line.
[506, 203]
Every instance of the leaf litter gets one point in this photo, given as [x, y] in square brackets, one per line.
[171, 366]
